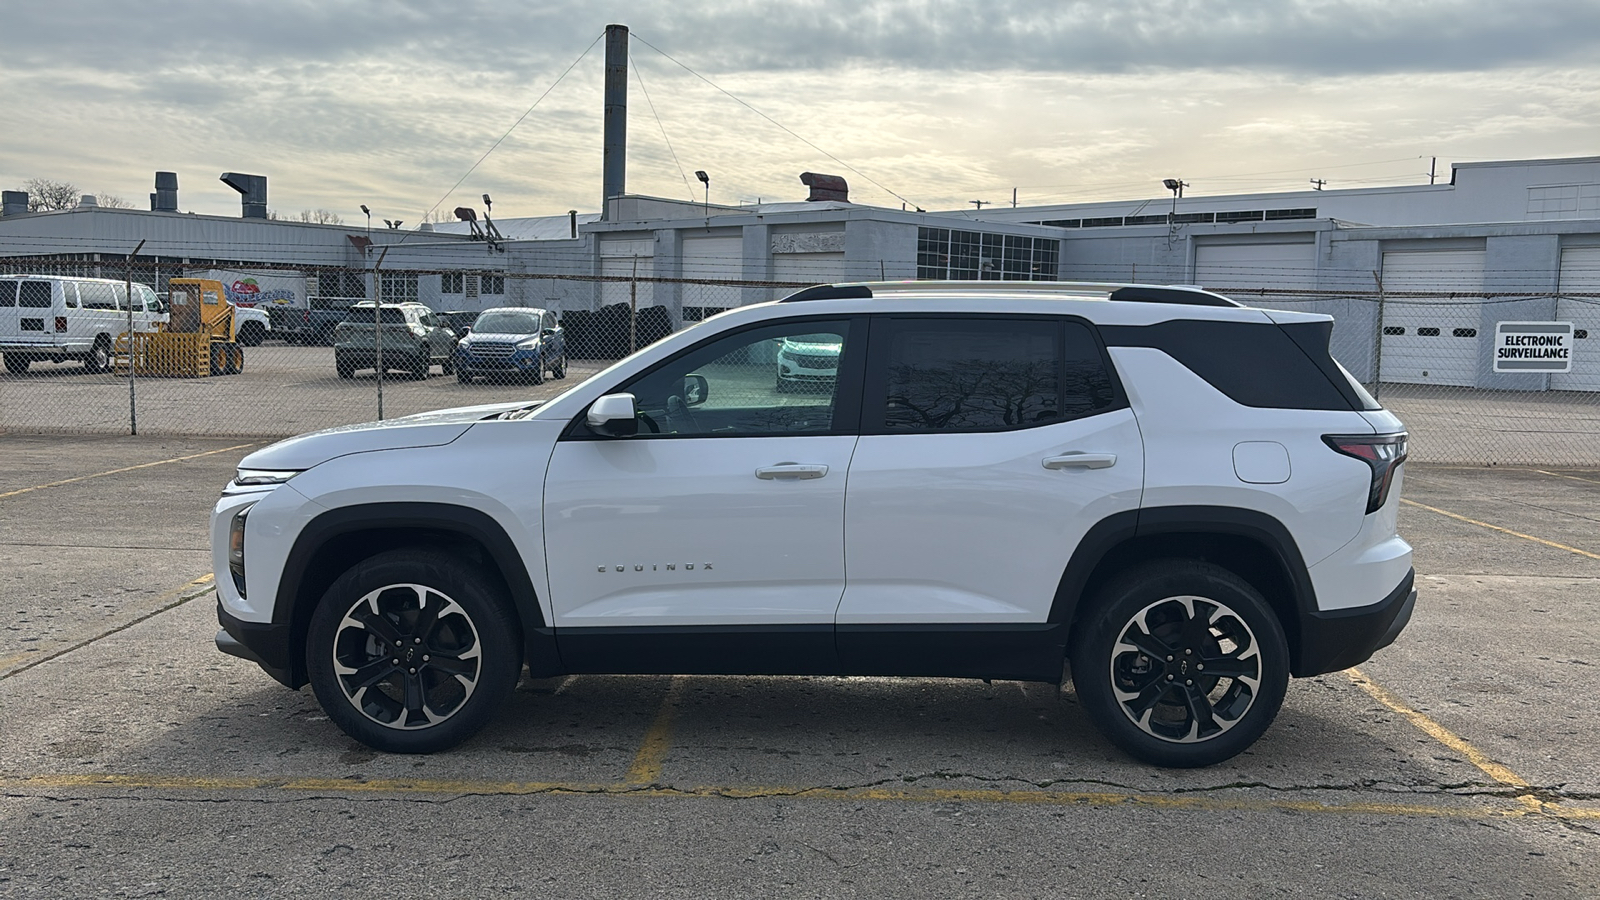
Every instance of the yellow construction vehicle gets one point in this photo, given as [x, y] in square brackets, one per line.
[198, 339]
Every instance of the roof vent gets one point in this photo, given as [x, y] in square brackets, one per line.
[88, 201]
[254, 189]
[826, 187]
[165, 199]
[13, 203]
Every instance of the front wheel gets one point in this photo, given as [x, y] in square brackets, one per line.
[16, 363]
[99, 358]
[412, 651]
[1180, 663]
[559, 370]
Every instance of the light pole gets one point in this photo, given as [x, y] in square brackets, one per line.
[1176, 186]
[705, 180]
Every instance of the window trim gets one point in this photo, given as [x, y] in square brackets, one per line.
[847, 392]
[875, 382]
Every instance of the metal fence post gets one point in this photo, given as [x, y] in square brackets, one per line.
[377, 324]
[1377, 349]
[633, 309]
[133, 396]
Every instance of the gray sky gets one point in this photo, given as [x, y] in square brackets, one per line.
[940, 102]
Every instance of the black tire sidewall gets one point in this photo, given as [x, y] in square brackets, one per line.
[485, 604]
[1114, 607]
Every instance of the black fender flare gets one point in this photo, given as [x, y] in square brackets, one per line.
[463, 521]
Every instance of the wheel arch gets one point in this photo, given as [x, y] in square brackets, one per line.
[339, 538]
[1253, 545]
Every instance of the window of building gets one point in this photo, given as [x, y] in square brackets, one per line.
[978, 256]
[494, 284]
[452, 283]
[341, 284]
[397, 287]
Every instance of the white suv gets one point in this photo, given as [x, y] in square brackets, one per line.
[1186, 499]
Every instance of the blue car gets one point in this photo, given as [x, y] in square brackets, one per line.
[513, 343]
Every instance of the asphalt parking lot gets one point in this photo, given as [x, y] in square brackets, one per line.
[135, 760]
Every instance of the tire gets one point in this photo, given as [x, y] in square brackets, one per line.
[17, 364]
[447, 366]
[251, 334]
[463, 376]
[421, 368]
[559, 370]
[1151, 707]
[345, 369]
[219, 359]
[99, 358]
[457, 666]
[536, 374]
[235, 357]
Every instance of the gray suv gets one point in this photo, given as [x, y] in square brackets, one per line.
[413, 340]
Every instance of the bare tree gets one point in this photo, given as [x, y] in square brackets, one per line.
[44, 194]
[112, 201]
[320, 217]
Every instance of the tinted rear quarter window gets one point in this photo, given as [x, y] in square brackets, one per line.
[34, 295]
[983, 374]
[1254, 364]
[8, 294]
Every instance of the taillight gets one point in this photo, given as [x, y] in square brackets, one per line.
[1383, 453]
[61, 323]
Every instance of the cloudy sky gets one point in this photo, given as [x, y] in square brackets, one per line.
[931, 102]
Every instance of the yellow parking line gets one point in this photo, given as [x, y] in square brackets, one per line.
[1565, 475]
[159, 462]
[647, 762]
[1526, 537]
[22, 662]
[1212, 801]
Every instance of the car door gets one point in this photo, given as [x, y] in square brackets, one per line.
[9, 320]
[990, 446]
[713, 540]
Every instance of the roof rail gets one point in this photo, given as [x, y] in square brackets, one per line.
[1121, 291]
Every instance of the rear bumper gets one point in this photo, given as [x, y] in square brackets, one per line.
[1338, 639]
[264, 644]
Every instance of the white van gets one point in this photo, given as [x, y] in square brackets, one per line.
[59, 318]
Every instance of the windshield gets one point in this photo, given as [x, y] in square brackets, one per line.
[506, 323]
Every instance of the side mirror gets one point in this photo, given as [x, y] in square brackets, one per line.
[613, 415]
[695, 390]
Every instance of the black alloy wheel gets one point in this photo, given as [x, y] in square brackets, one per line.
[1181, 663]
[411, 651]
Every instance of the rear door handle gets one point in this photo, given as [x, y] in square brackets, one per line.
[1076, 460]
[792, 471]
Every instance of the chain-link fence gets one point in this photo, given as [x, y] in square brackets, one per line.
[310, 349]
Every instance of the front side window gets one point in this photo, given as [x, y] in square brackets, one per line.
[983, 374]
[773, 380]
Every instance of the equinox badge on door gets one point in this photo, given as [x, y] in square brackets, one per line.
[655, 567]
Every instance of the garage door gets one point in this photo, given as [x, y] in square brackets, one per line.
[1258, 266]
[806, 268]
[1580, 273]
[714, 259]
[1432, 339]
[627, 259]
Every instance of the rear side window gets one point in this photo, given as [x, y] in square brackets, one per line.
[34, 295]
[97, 295]
[8, 294]
[1255, 364]
[983, 374]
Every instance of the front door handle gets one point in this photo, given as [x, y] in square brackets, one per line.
[1077, 460]
[792, 471]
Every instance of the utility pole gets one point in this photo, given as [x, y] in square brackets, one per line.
[1317, 183]
[1013, 198]
[980, 204]
[1432, 165]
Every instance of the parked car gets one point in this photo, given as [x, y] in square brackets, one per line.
[808, 362]
[313, 323]
[459, 321]
[57, 318]
[413, 340]
[514, 343]
[1187, 500]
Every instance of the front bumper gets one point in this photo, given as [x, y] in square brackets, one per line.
[518, 361]
[264, 644]
[1338, 639]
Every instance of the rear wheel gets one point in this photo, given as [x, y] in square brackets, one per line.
[420, 368]
[1180, 663]
[16, 363]
[344, 368]
[463, 376]
[99, 358]
[412, 651]
[251, 334]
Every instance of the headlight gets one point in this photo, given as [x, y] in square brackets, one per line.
[248, 477]
[529, 344]
[236, 548]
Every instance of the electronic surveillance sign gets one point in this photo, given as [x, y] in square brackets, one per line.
[1533, 347]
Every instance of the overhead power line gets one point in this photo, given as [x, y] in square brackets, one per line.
[775, 122]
